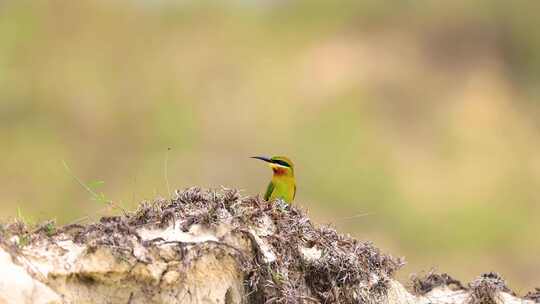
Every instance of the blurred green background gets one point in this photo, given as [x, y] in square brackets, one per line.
[413, 124]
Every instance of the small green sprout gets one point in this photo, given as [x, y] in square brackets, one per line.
[50, 229]
[24, 240]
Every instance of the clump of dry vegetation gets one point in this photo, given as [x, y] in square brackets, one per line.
[534, 295]
[485, 289]
[423, 284]
[344, 263]
[337, 269]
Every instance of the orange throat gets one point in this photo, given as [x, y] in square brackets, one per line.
[279, 171]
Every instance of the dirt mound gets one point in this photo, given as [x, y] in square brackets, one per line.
[291, 260]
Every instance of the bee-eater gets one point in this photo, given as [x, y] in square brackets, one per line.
[282, 185]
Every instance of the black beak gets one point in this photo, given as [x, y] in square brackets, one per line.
[266, 159]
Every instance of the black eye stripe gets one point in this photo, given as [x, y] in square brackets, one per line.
[281, 163]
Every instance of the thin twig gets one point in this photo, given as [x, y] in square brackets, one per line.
[166, 172]
[356, 216]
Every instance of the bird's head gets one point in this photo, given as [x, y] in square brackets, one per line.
[280, 165]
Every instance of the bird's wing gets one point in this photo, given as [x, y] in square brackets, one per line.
[294, 192]
[269, 190]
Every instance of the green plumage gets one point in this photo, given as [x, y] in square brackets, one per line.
[269, 190]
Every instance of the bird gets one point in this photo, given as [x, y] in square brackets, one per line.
[283, 185]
